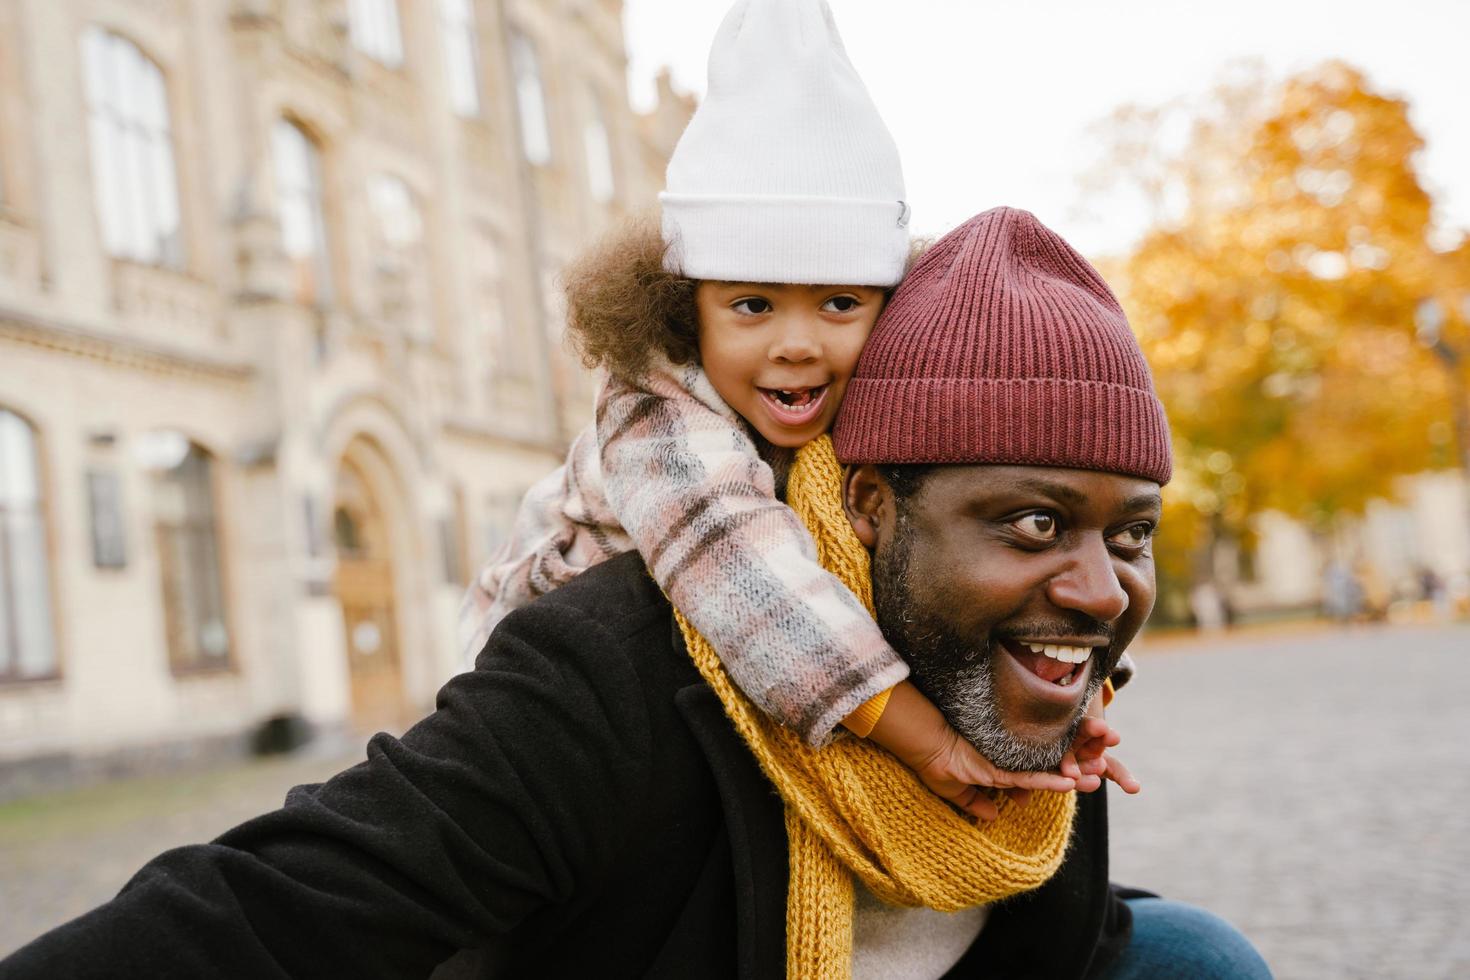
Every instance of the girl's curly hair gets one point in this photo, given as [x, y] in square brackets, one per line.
[622, 305]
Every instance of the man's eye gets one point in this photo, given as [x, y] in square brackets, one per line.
[841, 304]
[1134, 536]
[1040, 525]
[751, 306]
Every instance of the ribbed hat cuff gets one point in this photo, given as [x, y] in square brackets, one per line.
[1087, 425]
[786, 239]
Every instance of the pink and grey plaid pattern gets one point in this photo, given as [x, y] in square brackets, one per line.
[563, 527]
[680, 480]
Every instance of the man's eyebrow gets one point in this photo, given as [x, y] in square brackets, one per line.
[1057, 491]
[1148, 500]
[1068, 494]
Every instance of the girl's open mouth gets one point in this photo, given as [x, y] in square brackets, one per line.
[794, 406]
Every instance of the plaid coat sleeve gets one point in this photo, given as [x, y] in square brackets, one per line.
[686, 481]
[563, 527]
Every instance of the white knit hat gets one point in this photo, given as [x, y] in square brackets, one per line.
[786, 172]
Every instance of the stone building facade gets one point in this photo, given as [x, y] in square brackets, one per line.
[280, 344]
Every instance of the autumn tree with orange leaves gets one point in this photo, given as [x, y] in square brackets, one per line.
[1276, 299]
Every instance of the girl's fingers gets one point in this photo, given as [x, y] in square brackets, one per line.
[1042, 780]
[994, 778]
[1119, 774]
[1089, 784]
[1090, 749]
[976, 804]
[1097, 728]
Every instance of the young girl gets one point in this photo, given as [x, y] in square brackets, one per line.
[724, 351]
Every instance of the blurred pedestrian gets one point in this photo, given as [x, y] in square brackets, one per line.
[1342, 597]
[1432, 591]
[1208, 607]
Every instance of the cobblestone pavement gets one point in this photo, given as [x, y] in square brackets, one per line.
[63, 854]
[1312, 789]
[1309, 787]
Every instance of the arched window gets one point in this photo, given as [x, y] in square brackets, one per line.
[397, 216]
[503, 360]
[27, 646]
[600, 181]
[133, 172]
[374, 27]
[299, 209]
[530, 99]
[461, 56]
[188, 550]
[402, 267]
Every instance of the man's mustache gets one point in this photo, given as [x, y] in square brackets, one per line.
[1080, 625]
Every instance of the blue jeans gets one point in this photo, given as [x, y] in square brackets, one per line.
[1174, 940]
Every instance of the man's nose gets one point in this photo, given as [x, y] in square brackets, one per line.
[1089, 584]
[795, 341]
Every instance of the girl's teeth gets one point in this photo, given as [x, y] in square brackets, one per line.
[794, 399]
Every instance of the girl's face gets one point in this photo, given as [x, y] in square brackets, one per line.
[781, 355]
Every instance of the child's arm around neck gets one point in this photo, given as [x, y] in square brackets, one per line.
[688, 482]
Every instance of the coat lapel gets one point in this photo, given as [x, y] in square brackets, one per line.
[755, 819]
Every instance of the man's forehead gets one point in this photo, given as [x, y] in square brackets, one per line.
[1073, 487]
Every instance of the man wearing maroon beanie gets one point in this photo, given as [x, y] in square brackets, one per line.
[1003, 366]
[580, 804]
[1004, 453]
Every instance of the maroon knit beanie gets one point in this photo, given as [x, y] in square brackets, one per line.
[1004, 345]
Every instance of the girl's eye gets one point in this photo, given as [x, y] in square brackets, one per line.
[1134, 535]
[841, 304]
[1040, 525]
[751, 306]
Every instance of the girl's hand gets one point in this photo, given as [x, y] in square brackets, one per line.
[915, 731]
[958, 773]
[1088, 761]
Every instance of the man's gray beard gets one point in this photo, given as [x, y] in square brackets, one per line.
[956, 676]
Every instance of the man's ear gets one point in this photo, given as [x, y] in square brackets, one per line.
[866, 500]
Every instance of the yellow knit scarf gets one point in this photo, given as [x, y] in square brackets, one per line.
[853, 809]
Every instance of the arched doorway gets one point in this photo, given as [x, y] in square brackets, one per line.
[364, 585]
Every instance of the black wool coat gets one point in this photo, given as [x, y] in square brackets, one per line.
[576, 806]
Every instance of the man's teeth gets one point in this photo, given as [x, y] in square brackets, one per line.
[1067, 655]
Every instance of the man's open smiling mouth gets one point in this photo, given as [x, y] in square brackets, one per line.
[1053, 671]
[795, 406]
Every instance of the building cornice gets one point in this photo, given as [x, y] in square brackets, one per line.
[79, 340]
[470, 429]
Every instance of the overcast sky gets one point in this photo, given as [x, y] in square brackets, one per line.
[991, 101]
